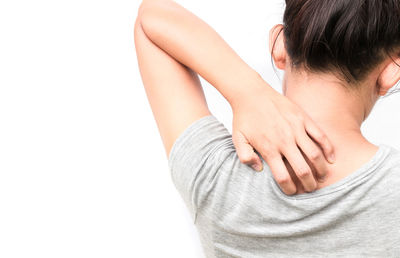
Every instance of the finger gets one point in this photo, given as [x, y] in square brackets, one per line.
[314, 154]
[281, 174]
[301, 168]
[246, 152]
[319, 136]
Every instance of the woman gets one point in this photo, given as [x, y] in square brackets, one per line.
[339, 57]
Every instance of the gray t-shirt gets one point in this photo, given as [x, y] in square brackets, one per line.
[239, 212]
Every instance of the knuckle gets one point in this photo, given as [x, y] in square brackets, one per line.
[265, 139]
[300, 118]
[303, 173]
[264, 135]
[287, 133]
[323, 138]
[283, 180]
[286, 137]
[314, 155]
[297, 119]
[245, 158]
[268, 151]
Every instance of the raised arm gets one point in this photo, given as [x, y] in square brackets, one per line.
[174, 45]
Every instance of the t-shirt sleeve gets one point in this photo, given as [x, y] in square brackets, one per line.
[195, 159]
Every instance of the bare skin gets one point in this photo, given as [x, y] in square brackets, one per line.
[174, 46]
[339, 109]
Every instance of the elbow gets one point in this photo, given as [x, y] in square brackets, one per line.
[157, 17]
[148, 10]
[143, 15]
[142, 8]
[157, 12]
[146, 15]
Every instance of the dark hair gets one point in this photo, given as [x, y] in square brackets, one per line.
[347, 37]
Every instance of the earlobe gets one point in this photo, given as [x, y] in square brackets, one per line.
[277, 46]
[389, 77]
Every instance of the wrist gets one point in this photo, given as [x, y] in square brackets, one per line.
[254, 87]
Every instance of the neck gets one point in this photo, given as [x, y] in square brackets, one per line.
[336, 110]
[340, 114]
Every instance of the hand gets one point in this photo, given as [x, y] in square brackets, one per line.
[277, 128]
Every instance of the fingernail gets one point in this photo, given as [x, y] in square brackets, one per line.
[322, 178]
[257, 167]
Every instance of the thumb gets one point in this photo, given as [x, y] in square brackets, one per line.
[246, 152]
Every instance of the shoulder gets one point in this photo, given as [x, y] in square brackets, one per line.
[392, 160]
[203, 139]
[196, 159]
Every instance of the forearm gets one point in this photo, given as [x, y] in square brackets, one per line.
[196, 45]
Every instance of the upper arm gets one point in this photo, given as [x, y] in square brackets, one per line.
[174, 91]
[197, 159]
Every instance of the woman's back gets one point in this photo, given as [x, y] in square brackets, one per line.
[242, 213]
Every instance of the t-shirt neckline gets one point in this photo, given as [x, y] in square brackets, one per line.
[366, 169]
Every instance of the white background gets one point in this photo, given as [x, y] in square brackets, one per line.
[83, 172]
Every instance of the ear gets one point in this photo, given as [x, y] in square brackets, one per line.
[277, 46]
[389, 76]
